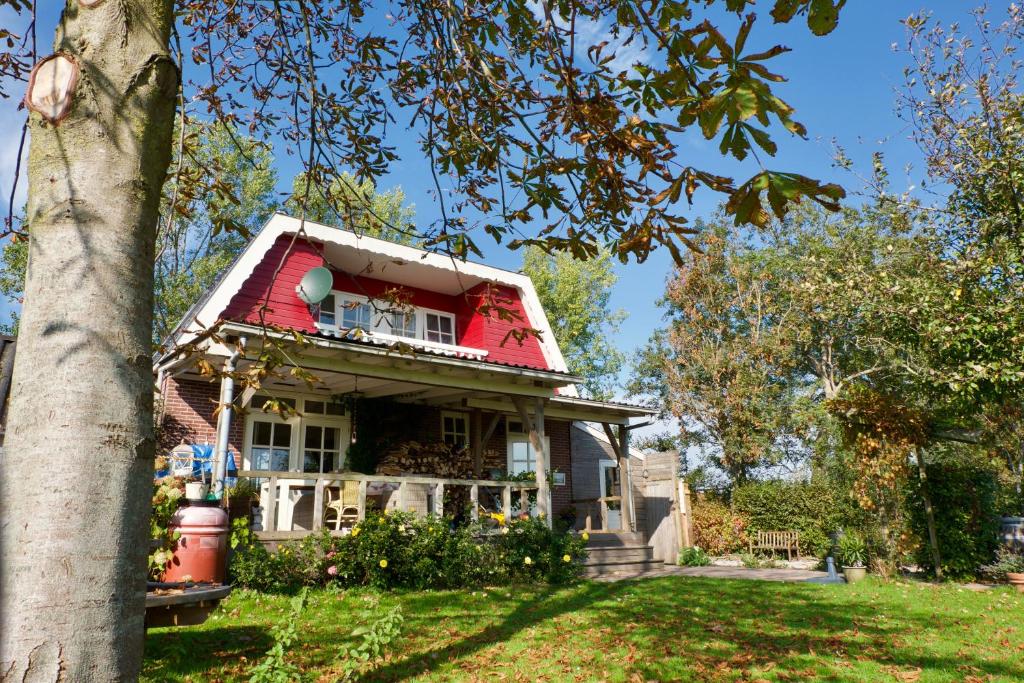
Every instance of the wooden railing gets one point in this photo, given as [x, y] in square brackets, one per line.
[274, 483]
[600, 505]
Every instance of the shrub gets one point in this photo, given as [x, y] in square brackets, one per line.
[400, 550]
[1008, 561]
[717, 529]
[964, 502]
[813, 509]
[693, 557]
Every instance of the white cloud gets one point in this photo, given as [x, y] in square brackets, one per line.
[591, 32]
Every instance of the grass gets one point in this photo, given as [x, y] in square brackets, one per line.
[666, 629]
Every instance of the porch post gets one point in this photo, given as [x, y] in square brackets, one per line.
[626, 478]
[476, 434]
[536, 431]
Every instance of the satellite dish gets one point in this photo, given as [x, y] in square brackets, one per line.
[315, 285]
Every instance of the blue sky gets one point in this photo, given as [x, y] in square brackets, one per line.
[842, 86]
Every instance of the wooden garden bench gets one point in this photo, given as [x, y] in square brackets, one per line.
[777, 540]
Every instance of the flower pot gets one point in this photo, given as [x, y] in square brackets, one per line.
[1016, 580]
[854, 574]
[195, 490]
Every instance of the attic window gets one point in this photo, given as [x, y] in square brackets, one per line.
[327, 315]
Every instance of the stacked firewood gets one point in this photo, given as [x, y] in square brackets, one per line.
[431, 460]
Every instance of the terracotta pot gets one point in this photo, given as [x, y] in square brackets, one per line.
[1016, 580]
[854, 574]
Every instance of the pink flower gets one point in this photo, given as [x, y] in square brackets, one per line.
[332, 570]
[331, 554]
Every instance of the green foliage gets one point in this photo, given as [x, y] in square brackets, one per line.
[716, 529]
[275, 667]
[1008, 561]
[963, 496]
[374, 642]
[852, 550]
[576, 294]
[693, 557]
[401, 550]
[349, 203]
[168, 495]
[813, 509]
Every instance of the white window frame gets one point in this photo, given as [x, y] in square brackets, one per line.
[339, 422]
[459, 416]
[298, 422]
[514, 437]
[425, 313]
[381, 325]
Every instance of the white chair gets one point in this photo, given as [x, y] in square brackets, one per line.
[345, 507]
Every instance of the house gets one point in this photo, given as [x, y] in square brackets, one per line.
[433, 385]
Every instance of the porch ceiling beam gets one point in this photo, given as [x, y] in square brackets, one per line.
[551, 411]
[416, 376]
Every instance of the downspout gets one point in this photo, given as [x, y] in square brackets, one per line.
[227, 396]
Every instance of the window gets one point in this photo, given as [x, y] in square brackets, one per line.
[355, 314]
[520, 457]
[440, 328]
[323, 407]
[454, 429]
[403, 324]
[328, 312]
[321, 449]
[270, 445]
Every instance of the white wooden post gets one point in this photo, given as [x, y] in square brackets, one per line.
[506, 503]
[401, 496]
[318, 505]
[269, 515]
[439, 499]
[474, 500]
[361, 512]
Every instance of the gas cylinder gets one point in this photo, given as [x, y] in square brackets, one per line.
[201, 551]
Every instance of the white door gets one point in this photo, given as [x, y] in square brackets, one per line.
[608, 471]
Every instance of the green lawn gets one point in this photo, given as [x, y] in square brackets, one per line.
[667, 629]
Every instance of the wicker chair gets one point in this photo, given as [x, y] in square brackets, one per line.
[345, 507]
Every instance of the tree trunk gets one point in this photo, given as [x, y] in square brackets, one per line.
[933, 538]
[75, 476]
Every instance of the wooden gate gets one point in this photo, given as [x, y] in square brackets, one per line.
[662, 508]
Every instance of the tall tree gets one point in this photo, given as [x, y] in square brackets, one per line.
[515, 121]
[577, 296]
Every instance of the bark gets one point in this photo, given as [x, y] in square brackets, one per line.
[75, 476]
[929, 511]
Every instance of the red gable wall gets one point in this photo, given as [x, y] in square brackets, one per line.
[481, 329]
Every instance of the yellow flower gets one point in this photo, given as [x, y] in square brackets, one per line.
[585, 536]
[527, 560]
[383, 564]
[566, 558]
[401, 528]
[355, 531]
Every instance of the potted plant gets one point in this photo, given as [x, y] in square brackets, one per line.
[1009, 564]
[853, 553]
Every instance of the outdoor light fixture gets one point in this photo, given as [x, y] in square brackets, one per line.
[315, 285]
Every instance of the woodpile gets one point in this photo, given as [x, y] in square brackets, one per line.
[431, 460]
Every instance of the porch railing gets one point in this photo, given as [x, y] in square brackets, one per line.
[598, 507]
[276, 487]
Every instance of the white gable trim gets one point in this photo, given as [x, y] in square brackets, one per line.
[208, 310]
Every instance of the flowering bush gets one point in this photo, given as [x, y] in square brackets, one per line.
[717, 529]
[399, 550]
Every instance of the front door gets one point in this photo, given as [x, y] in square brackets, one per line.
[609, 478]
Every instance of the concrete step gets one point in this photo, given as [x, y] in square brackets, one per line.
[601, 539]
[640, 553]
[621, 568]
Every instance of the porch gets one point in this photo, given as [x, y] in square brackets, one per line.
[294, 505]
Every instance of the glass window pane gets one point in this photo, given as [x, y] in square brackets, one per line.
[327, 311]
[446, 325]
[282, 435]
[313, 437]
[311, 461]
[315, 407]
[261, 434]
[330, 462]
[331, 438]
[261, 458]
[279, 459]
[335, 408]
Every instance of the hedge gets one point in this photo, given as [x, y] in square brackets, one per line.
[813, 509]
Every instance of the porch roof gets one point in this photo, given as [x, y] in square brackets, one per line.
[376, 370]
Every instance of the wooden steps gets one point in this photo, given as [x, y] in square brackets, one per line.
[619, 554]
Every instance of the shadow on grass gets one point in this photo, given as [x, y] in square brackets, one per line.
[173, 653]
[670, 628]
[667, 629]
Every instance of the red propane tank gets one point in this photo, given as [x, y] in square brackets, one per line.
[201, 550]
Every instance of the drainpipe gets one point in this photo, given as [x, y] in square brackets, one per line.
[227, 396]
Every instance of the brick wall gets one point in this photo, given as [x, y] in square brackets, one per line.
[188, 415]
